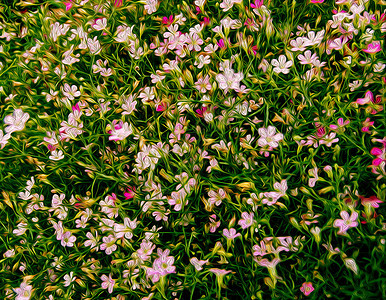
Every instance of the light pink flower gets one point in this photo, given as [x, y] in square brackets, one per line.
[198, 263]
[109, 244]
[68, 239]
[281, 65]
[269, 137]
[346, 222]
[230, 234]
[108, 283]
[307, 287]
[16, 121]
[369, 97]
[247, 220]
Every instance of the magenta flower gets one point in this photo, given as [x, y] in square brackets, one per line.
[307, 288]
[221, 44]
[371, 201]
[346, 222]
[118, 3]
[317, 1]
[68, 5]
[129, 194]
[366, 125]
[374, 47]
[369, 97]
[257, 4]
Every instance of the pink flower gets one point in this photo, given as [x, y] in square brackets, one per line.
[118, 3]
[167, 21]
[213, 224]
[230, 234]
[198, 263]
[108, 283]
[366, 125]
[257, 4]
[374, 47]
[317, 1]
[368, 98]
[269, 137]
[307, 288]
[371, 201]
[68, 5]
[247, 220]
[221, 44]
[68, 239]
[129, 194]
[346, 222]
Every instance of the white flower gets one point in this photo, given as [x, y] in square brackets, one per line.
[21, 228]
[198, 263]
[151, 6]
[229, 80]
[23, 292]
[129, 105]
[147, 94]
[269, 137]
[4, 139]
[68, 239]
[70, 91]
[94, 45]
[281, 65]
[307, 58]
[56, 155]
[379, 67]
[68, 278]
[202, 60]
[9, 253]
[16, 121]
[100, 24]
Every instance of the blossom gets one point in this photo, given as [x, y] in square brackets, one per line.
[346, 222]
[68, 239]
[68, 278]
[202, 60]
[307, 58]
[109, 244]
[16, 121]
[373, 47]
[92, 241]
[269, 137]
[162, 266]
[216, 197]
[230, 234]
[371, 201]
[281, 65]
[307, 287]
[107, 283]
[99, 24]
[56, 155]
[23, 292]
[151, 6]
[247, 220]
[4, 139]
[198, 263]
[120, 131]
[203, 85]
